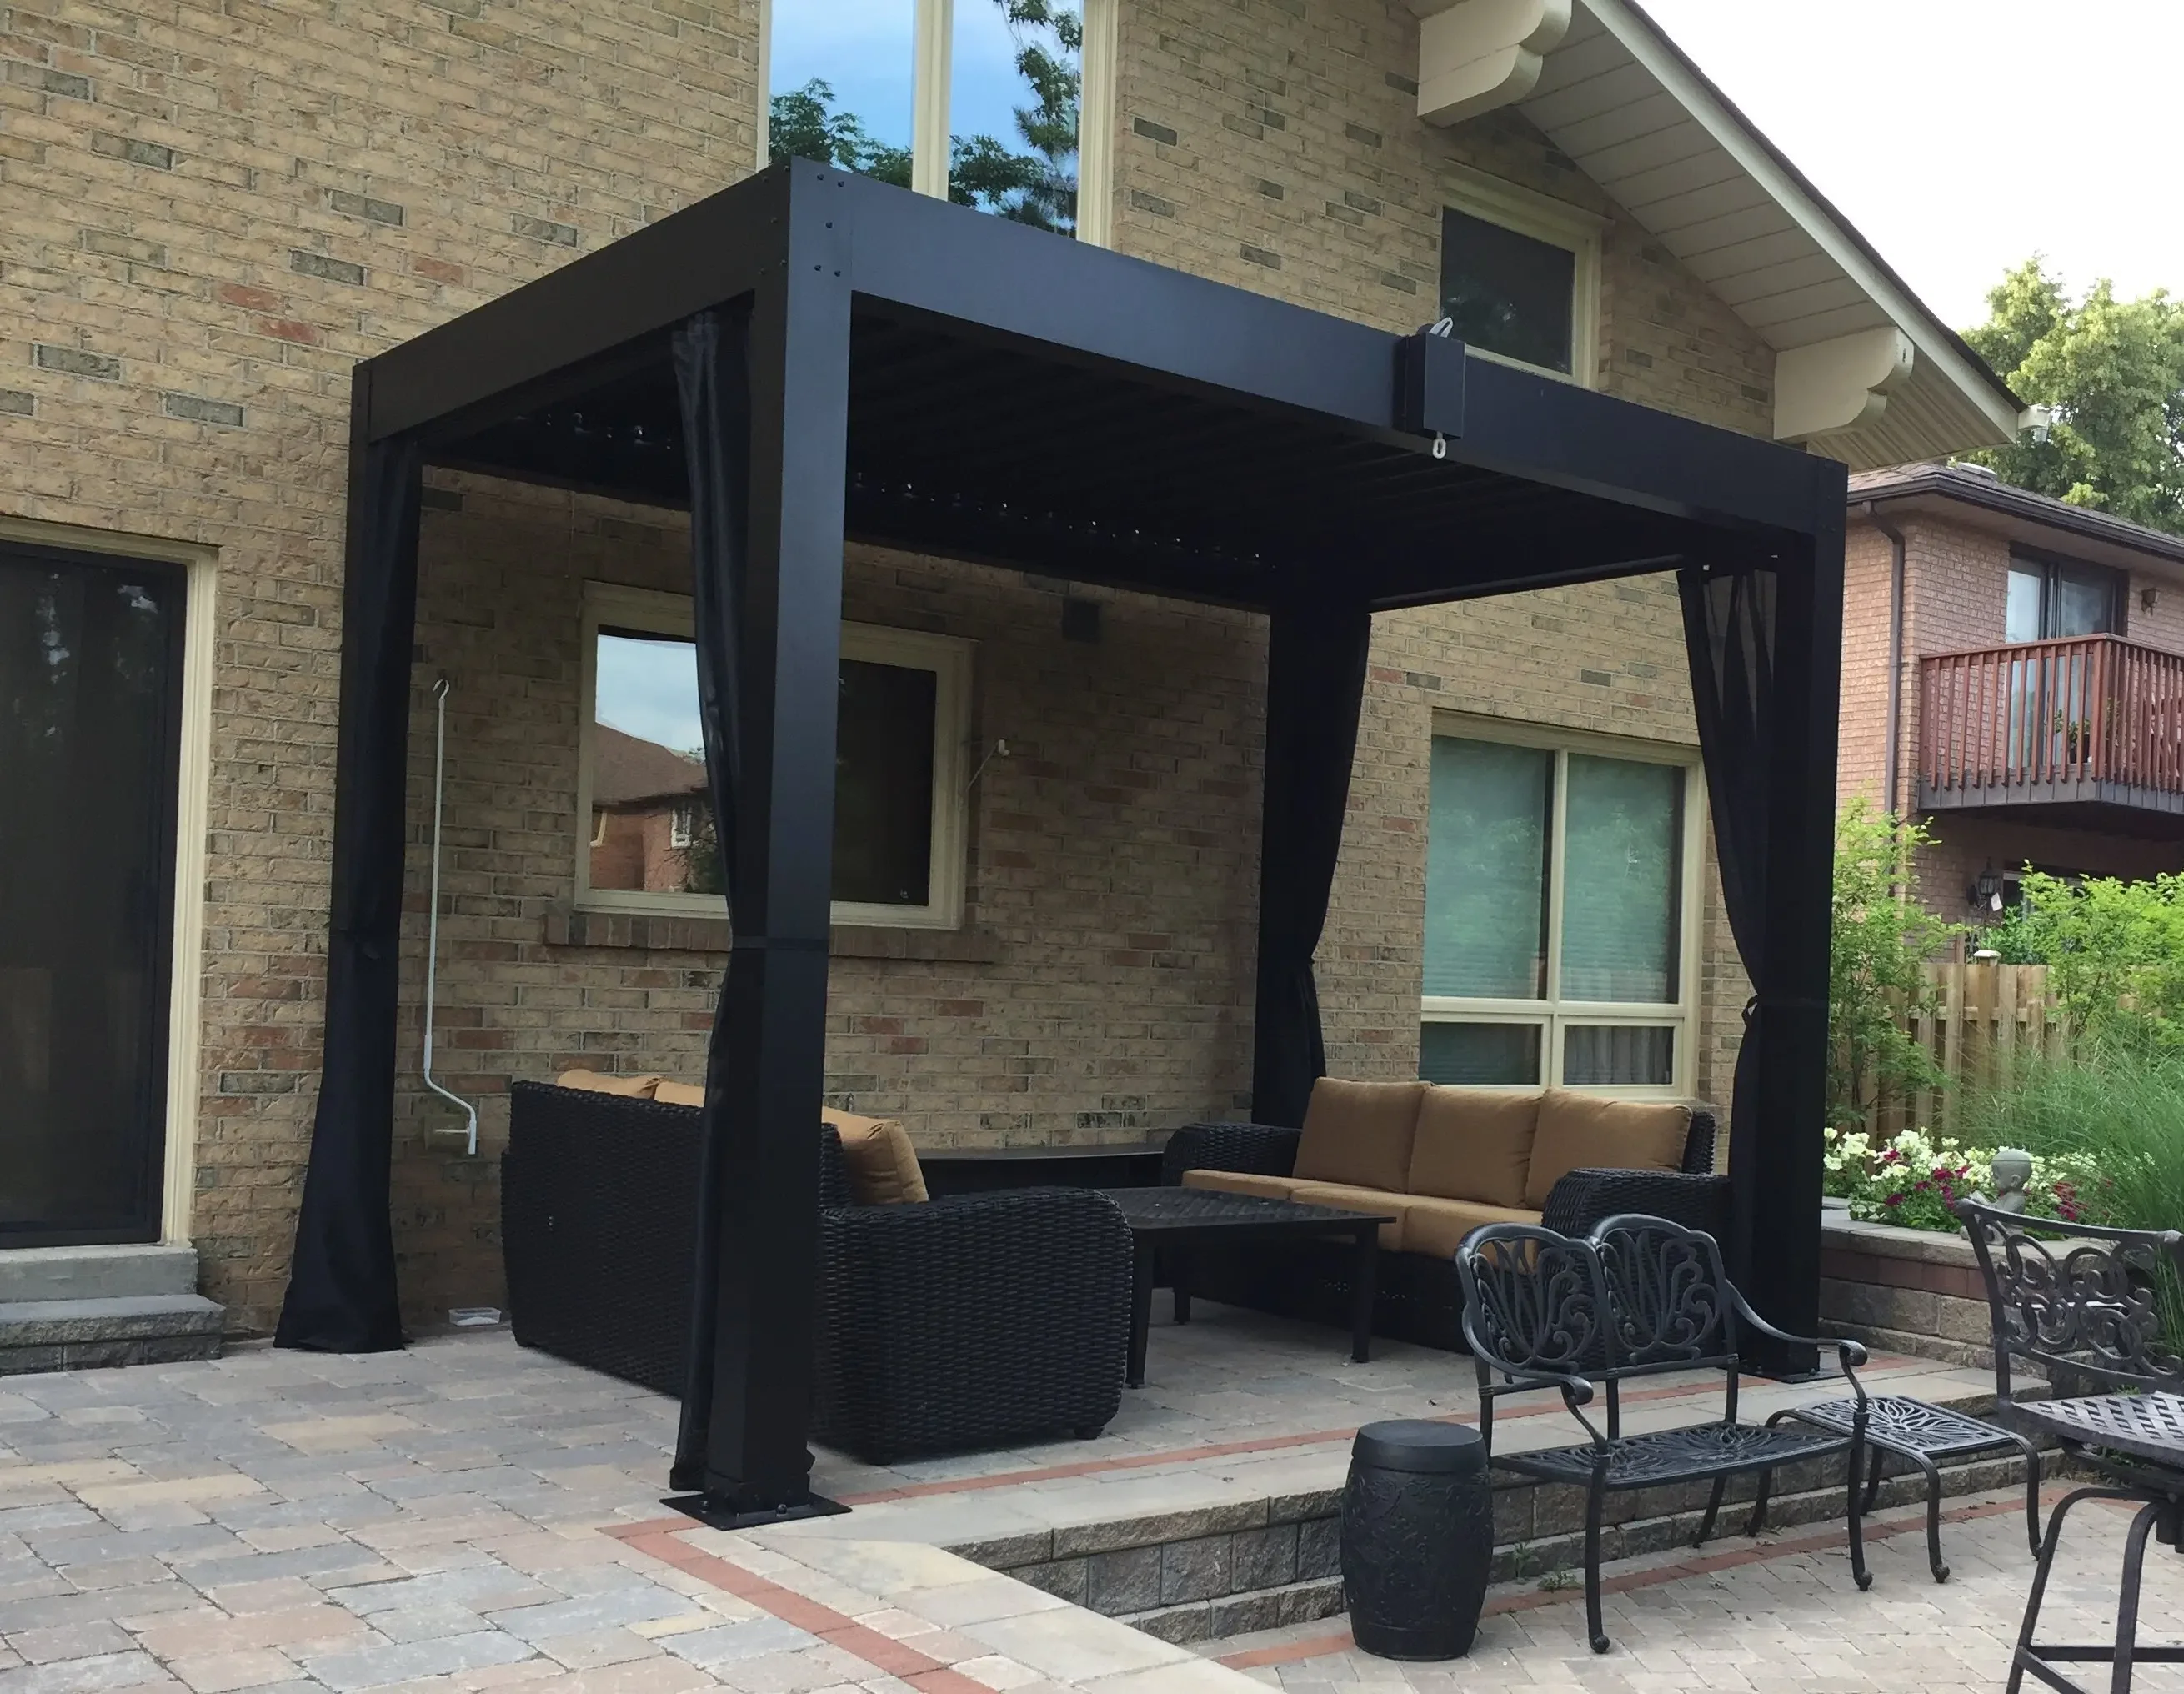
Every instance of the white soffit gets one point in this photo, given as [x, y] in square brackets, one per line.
[1633, 115]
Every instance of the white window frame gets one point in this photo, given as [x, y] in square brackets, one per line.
[1552, 1015]
[610, 606]
[1557, 223]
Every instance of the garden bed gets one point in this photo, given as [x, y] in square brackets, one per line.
[1914, 1291]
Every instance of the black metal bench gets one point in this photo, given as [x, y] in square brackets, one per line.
[1639, 1296]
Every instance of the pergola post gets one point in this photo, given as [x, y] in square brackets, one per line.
[766, 1071]
[1777, 1156]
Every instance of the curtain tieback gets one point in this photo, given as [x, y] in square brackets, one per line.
[1782, 1002]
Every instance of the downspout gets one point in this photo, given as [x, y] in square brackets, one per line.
[1891, 760]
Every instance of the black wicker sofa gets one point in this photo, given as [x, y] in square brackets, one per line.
[943, 1325]
[1444, 1161]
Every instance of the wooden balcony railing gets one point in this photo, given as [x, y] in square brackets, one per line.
[2088, 718]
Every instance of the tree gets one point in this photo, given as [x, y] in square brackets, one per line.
[2113, 372]
[1877, 965]
[1038, 187]
[2115, 951]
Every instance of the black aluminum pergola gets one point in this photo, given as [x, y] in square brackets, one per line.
[810, 357]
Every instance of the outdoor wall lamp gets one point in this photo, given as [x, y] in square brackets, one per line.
[1986, 891]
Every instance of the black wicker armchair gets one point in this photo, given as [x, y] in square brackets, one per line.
[941, 1326]
[1419, 1296]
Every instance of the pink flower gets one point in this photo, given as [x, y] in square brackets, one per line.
[1896, 1198]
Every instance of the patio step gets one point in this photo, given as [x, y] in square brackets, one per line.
[75, 1308]
[1195, 1575]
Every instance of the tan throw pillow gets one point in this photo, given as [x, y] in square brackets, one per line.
[880, 1161]
[1359, 1133]
[1474, 1144]
[1585, 1131]
[595, 1082]
[679, 1093]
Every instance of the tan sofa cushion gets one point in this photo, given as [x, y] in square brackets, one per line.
[1434, 1227]
[877, 1153]
[1474, 1144]
[1359, 1134]
[880, 1161]
[1582, 1131]
[596, 1081]
[1241, 1181]
[1351, 1198]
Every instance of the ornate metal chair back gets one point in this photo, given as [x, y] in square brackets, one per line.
[2090, 1303]
[1666, 1293]
[1534, 1300]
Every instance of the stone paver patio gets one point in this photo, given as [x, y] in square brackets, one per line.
[467, 1515]
[1782, 1615]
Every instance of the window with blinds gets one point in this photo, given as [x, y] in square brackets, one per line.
[1559, 900]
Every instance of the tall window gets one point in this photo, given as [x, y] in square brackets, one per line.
[2050, 598]
[1560, 894]
[1518, 277]
[647, 842]
[995, 82]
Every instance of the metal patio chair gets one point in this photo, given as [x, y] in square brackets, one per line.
[2086, 1309]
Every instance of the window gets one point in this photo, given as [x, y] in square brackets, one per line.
[975, 99]
[1519, 278]
[1561, 899]
[904, 715]
[2053, 598]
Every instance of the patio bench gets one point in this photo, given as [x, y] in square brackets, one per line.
[1443, 1159]
[1637, 1297]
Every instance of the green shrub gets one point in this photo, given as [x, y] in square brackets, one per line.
[1877, 965]
[2115, 951]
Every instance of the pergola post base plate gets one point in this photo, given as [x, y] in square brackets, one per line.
[719, 1512]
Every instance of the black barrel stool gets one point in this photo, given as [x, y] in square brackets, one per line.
[1418, 1538]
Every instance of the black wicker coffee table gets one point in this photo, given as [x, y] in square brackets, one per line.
[1179, 1217]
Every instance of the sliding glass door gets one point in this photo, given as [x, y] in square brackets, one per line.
[90, 709]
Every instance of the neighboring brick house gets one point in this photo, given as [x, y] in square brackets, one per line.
[1046, 903]
[2037, 695]
[646, 799]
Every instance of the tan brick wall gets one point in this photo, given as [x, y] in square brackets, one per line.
[212, 210]
[215, 210]
[1298, 168]
[1105, 987]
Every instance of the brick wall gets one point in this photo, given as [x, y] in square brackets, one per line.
[216, 209]
[212, 210]
[1275, 145]
[1101, 986]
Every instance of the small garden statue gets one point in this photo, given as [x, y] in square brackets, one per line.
[2011, 1170]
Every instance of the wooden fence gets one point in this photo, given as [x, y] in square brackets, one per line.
[1985, 1013]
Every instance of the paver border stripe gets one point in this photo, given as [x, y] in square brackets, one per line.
[656, 1537]
[1881, 1365]
[1319, 1646]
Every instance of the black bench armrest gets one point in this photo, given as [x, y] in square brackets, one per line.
[1585, 1198]
[1260, 1149]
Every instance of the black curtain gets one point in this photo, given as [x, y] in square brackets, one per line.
[1728, 634]
[342, 1296]
[1315, 685]
[712, 379]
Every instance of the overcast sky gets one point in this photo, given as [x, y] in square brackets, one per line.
[1958, 135]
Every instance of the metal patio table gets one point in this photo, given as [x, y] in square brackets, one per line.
[1179, 1217]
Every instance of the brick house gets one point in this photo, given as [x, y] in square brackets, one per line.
[1043, 916]
[2028, 656]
